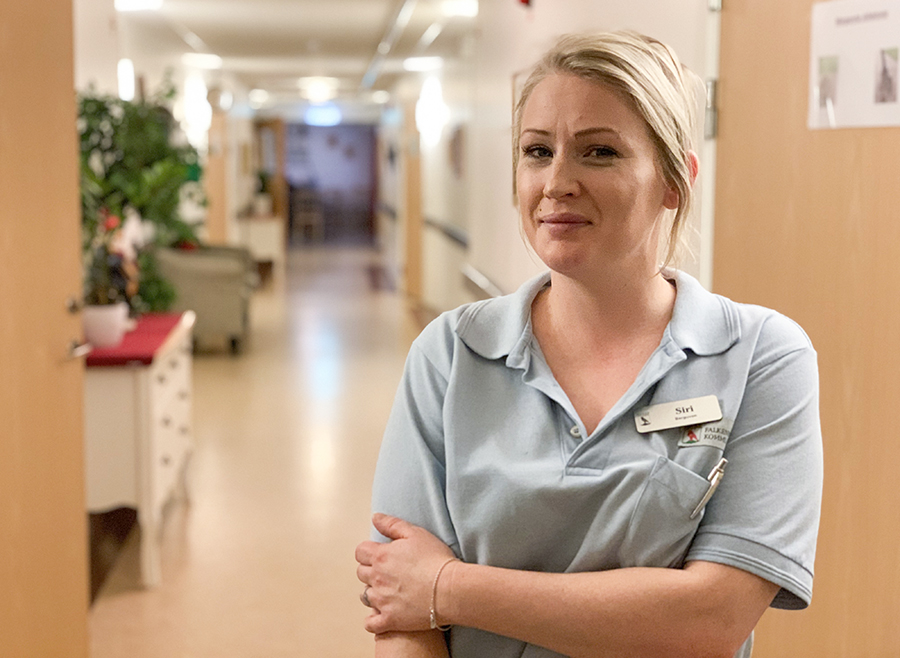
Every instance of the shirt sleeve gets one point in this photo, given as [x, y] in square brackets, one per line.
[764, 517]
[410, 477]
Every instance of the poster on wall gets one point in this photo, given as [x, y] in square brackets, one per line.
[853, 64]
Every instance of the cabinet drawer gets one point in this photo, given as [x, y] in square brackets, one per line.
[171, 377]
[170, 442]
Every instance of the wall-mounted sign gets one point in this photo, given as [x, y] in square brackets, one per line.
[853, 64]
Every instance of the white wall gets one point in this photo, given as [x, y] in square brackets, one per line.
[444, 188]
[96, 46]
[390, 190]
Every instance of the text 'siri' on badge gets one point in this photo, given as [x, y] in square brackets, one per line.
[678, 414]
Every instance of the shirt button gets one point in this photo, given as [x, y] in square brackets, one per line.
[575, 432]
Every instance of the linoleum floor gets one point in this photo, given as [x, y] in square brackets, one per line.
[259, 562]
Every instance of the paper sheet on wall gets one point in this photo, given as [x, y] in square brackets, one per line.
[853, 64]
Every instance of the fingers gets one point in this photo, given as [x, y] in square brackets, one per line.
[365, 552]
[364, 574]
[391, 527]
[375, 623]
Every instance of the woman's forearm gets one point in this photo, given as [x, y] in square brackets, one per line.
[703, 610]
[422, 644]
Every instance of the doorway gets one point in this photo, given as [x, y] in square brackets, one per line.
[330, 172]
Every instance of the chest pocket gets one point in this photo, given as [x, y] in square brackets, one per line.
[660, 530]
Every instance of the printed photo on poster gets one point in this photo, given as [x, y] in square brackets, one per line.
[853, 68]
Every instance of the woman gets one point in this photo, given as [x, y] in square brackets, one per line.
[611, 461]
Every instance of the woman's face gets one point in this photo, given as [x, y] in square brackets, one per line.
[590, 192]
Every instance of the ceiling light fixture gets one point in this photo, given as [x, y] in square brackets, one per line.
[258, 98]
[381, 96]
[319, 89]
[465, 8]
[428, 36]
[422, 63]
[202, 60]
[138, 5]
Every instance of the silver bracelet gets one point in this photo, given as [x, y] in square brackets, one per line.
[432, 614]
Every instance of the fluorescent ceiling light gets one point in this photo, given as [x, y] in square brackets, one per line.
[466, 8]
[319, 89]
[381, 96]
[422, 63]
[138, 5]
[202, 60]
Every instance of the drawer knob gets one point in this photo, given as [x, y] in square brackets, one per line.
[161, 378]
[182, 395]
[184, 429]
[166, 460]
[166, 421]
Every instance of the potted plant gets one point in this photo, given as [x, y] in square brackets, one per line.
[135, 164]
[108, 281]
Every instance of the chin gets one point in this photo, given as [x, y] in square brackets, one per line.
[563, 259]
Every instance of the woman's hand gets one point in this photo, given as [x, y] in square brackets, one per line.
[400, 575]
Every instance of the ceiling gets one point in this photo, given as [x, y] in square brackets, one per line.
[270, 44]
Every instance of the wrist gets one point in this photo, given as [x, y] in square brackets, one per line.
[445, 594]
[440, 596]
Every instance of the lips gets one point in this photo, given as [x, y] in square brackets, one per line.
[563, 219]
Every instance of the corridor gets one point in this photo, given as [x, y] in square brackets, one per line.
[259, 563]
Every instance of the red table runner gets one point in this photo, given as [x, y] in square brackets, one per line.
[139, 345]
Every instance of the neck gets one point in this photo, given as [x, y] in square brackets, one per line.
[610, 308]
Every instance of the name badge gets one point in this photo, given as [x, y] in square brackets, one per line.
[678, 414]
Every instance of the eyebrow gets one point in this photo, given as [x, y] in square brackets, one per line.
[580, 133]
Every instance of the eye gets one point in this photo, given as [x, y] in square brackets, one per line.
[537, 151]
[602, 152]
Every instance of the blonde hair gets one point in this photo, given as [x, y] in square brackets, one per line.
[650, 76]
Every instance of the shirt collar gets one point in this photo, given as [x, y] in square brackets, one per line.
[702, 322]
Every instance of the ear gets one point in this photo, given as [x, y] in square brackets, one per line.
[670, 200]
[694, 163]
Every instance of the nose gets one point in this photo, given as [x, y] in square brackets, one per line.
[561, 179]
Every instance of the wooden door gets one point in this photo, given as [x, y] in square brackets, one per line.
[411, 218]
[278, 185]
[43, 527]
[215, 180]
[808, 222]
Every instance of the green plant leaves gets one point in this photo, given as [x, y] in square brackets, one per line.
[132, 158]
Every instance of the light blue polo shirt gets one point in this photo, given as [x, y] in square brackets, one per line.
[485, 450]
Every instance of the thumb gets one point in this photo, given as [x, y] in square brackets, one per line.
[391, 527]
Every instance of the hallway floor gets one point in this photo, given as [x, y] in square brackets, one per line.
[259, 563]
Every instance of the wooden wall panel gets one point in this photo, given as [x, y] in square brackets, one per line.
[808, 222]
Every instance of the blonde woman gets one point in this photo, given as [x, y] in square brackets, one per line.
[611, 461]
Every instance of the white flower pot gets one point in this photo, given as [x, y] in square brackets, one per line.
[104, 326]
[262, 204]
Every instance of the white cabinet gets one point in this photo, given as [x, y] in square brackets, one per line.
[138, 434]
